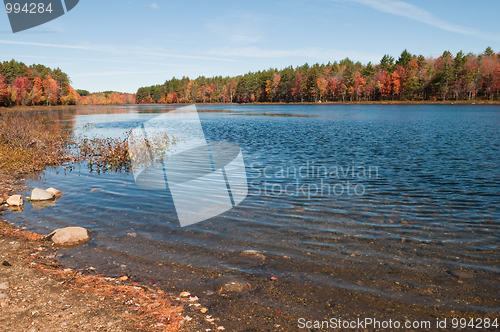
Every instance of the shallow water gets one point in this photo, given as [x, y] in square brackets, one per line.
[350, 204]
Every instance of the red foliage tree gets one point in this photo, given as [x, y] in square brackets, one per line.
[23, 87]
[4, 94]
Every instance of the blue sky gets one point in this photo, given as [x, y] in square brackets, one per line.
[122, 45]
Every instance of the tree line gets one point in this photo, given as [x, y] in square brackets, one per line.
[410, 77]
[22, 85]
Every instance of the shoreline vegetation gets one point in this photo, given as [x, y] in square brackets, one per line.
[31, 143]
[409, 78]
[22, 85]
[5, 110]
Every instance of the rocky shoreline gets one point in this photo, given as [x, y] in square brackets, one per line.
[37, 293]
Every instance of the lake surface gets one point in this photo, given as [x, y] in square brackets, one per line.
[358, 209]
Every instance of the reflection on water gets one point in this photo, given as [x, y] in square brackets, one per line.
[396, 203]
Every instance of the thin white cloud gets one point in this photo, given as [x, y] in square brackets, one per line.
[114, 60]
[244, 39]
[115, 49]
[239, 27]
[407, 10]
[115, 73]
[154, 5]
[312, 52]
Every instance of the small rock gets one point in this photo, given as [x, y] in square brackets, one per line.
[231, 285]
[40, 195]
[461, 274]
[54, 192]
[94, 189]
[253, 253]
[4, 286]
[4, 300]
[5, 263]
[16, 200]
[70, 236]
[132, 234]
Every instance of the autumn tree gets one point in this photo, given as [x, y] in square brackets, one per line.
[23, 87]
[51, 89]
[4, 96]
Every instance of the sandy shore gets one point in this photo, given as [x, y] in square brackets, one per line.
[39, 294]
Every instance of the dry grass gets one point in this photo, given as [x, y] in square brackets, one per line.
[102, 154]
[152, 310]
[114, 154]
[15, 233]
[31, 143]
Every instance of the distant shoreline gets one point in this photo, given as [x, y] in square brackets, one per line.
[385, 102]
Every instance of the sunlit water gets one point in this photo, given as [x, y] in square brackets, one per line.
[396, 202]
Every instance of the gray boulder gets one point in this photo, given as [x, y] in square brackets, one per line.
[54, 192]
[40, 195]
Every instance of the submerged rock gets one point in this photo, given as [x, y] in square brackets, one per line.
[69, 236]
[15, 200]
[54, 192]
[229, 284]
[40, 195]
[38, 205]
[253, 254]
